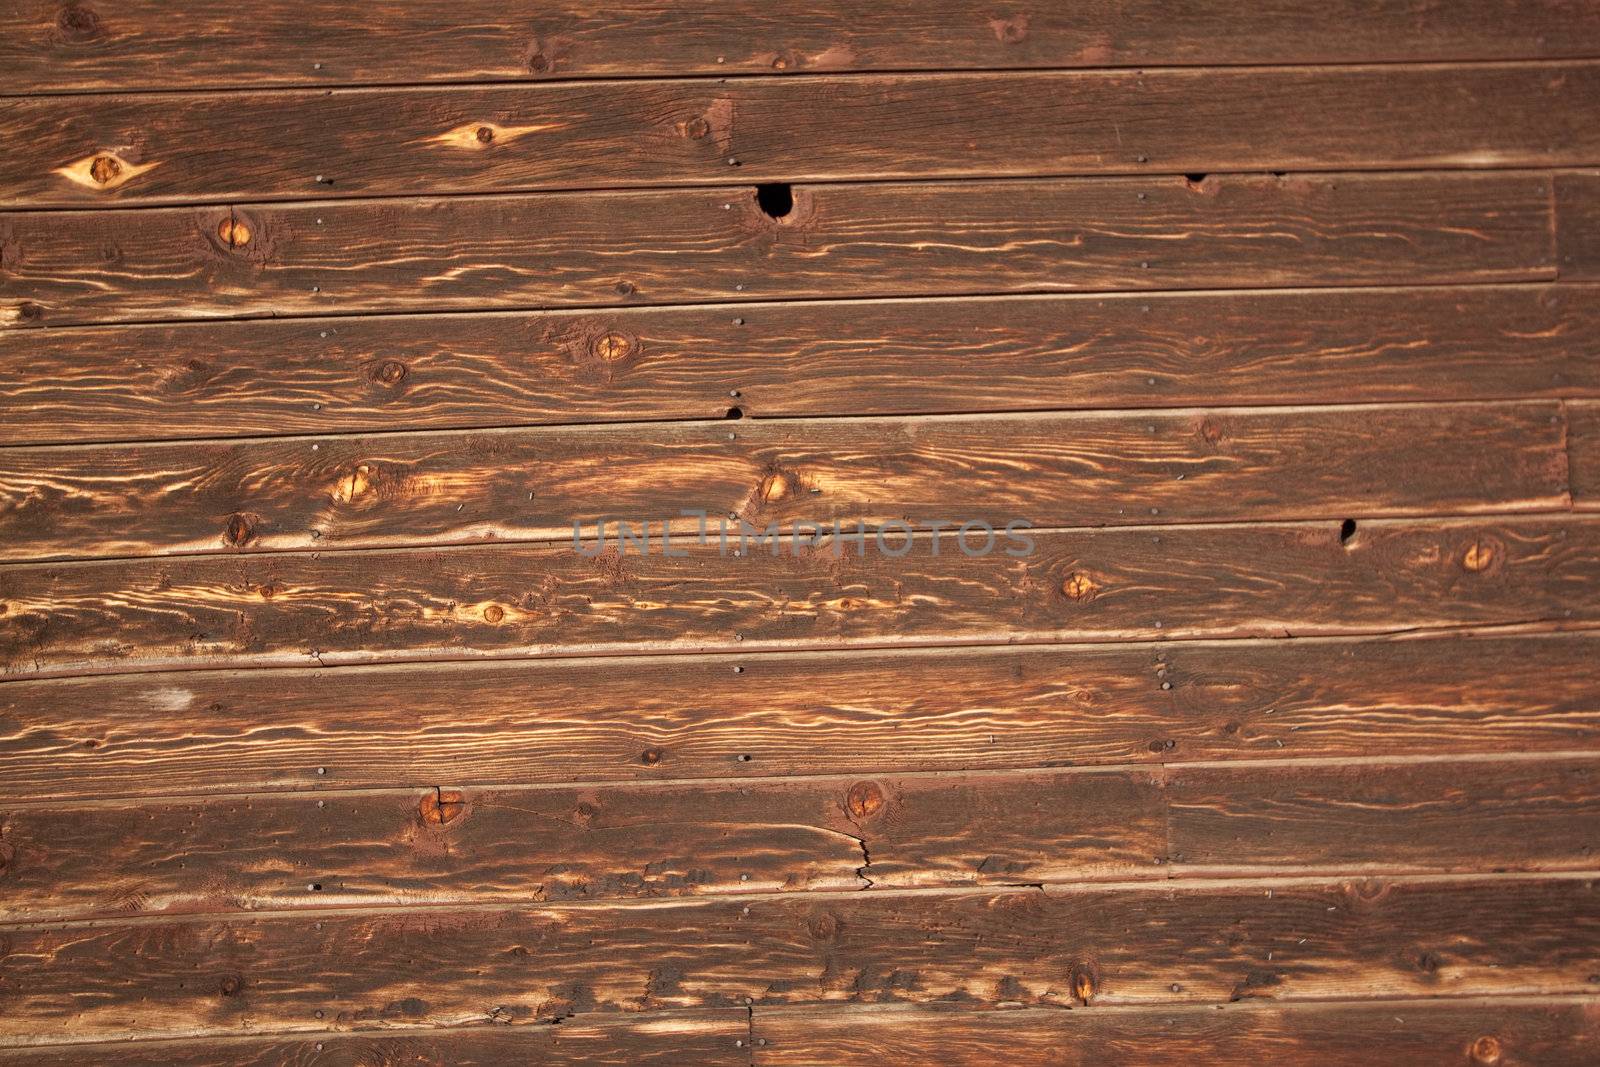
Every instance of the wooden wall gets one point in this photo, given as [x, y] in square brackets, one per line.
[321, 324]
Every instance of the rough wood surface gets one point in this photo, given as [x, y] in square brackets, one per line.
[480, 846]
[652, 719]
[1583, 447]
[1447, 816]
[689, 245]
[1578, 225]
[475, 846]
[888, 357]
[1525, 1032]
[1182, 942]
[1231, 464]
[149, 44]
[232, 147]
[717, 1038]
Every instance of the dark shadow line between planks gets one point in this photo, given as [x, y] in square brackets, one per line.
[723, 77]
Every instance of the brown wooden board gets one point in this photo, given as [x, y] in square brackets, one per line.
[474, 846]
[231, 146]
[1227, 464]
[718, 1038]
[480, 846]
[648, 719]
[1583, 446]
[1180, 942]
[862, 357]
[847, 240]
[1520, 1032]
[1447, 816]
[149, 44]
[305, 609]
[1578, 225]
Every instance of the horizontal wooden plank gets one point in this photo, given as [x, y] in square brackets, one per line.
[479, 846]
[1583, 446]
[304, 609]
[717, 1038]
[223, 147]
[536, 484]
[1524, 1031]
[649, 719]
[1578, 225]
[1446, 816]
[476, 846]
[146, 44]
[688, 245]
[894, 357]
[1182, 942]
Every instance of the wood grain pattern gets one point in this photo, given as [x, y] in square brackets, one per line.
[232, 147]
[143, 44]
[891, 357]
[1583, 449]
[1229, 464]
[688, 245]
[1526, 1032]
[480, 846]
[717, 1038]
[651, 719]
[477, 846]
[1447, 816]
[1578, 225]
[1120, 944]
[305, 609]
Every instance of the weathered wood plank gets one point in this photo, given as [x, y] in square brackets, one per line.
[1583, 446]
[650, 719]
[1578, 225]
[221, 147]
[1525, 1031]
[482, 846]
[1446, 816]
[144, 44]
[303, 609]
[1184, 942]
[891, 357]
[717, 1038]
[687, 245]
[1052, 470]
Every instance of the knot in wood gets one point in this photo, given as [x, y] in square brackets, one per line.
[863, 799]
[389, 372]
[1079, 586]
[775, 486]
[1479, 556]
[241, 529]
[234, 233]
[1486, 1050]
[105, 169]
[494, 613]
[650, 757]
[613, 347]
[485, 134]
[78, 22]
[1083, 983]
[231, 985]
[441, 806]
